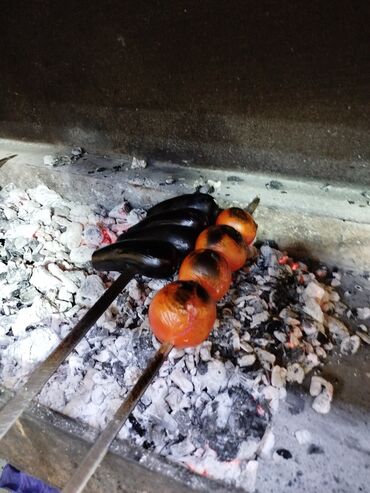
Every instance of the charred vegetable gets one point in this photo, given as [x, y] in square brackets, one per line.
[210, 269]
[191, 218]
[182, 313]
[201, 201]
[151, 258]
[226, 241]
[240, 220]
[181, 237]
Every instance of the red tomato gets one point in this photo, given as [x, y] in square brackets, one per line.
[226, 241]
[240, 220]
[182, 313]
[210, 269]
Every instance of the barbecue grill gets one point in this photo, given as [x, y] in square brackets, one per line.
[251, 408]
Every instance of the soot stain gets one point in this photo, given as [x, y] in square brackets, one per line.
[215, 235]
[238, 213]
[234, 234]
[201, 293]
[315, 449]
[187, 289]
[184, 292]
[207, 261]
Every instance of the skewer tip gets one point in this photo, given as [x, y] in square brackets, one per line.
[253, 205]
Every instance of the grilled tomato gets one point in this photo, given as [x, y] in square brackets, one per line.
[210, 269]
[227, 241]
[240, 220]
[182, 313]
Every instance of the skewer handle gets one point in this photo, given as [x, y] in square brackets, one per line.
[97, 453]
[38, 378]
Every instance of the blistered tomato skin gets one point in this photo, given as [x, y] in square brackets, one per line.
[210, 269]
[227, 241]
[240, 220]
[182, 313]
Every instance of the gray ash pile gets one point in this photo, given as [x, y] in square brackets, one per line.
[211, 408]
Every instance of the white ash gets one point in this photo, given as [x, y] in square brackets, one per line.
[138, 163]
[210, 408]
[363, 336]
[363, 313]
[350, 344]
[323, 391]
[303, 437]
[267, 445]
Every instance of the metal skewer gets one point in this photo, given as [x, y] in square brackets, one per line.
[6, 159]
[38, 378]
[97, 453]
[253, 205]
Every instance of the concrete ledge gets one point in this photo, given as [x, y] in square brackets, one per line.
[324, 220]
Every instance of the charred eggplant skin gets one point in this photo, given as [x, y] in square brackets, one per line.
[181, 237]
[151, 258]
[191, 218]
[201, 201]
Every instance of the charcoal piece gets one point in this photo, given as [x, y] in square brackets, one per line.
[243, 422]
[136, 426]
[265, 296]
[280, 354]
[183, 421]
[202, 367]
[148, 445]
[283, 452]
[275, 324]
[87, 358]
[322, 338]
[285, 292]
[142, 347]
[226, 353]
[118, 369]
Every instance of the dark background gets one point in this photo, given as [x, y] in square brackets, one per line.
[281, 86]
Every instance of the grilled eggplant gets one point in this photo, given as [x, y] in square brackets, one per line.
[151, 258]
[191, 218]
[181, 237]
[201, 201]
